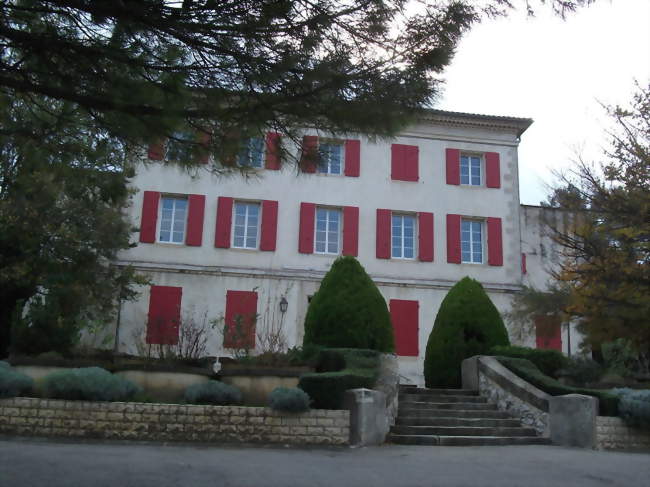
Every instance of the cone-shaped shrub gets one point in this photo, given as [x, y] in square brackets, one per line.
[467, 324]
[348, 311]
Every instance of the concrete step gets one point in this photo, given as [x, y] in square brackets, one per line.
[422, 390]
[473, 422]
[438, 398]
[410, 405]
[441, 440]
[451, 413]
[462, 431]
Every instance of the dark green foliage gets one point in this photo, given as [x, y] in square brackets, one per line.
[348, 311]
[467, 324]
[213, 392]
[4, 365]
[88, 384]
[634, 406]
[548, 361]
[608, 403]
[13, 383]
[582, 370]
[292, 400]
[327, 388]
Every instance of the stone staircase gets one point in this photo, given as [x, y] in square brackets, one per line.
[455, 417]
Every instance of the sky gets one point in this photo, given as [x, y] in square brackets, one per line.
[556, 72]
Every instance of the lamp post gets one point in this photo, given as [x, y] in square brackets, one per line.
[283, 305]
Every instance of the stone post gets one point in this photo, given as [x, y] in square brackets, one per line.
[573, 420]
[369, 423]
[469, 372]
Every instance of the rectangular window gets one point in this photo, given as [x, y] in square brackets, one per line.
[252, 153]
[470, 170]
[403, 236]
[173, 218]
[328, 230]
[179, 146]
[471, 241]
[331, 158]
[246, 225]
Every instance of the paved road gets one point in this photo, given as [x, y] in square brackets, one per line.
[34, 462]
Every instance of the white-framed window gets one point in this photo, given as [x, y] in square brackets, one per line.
[173, 218]
[179, 146]
[332, 155]
[402, 236]
[252, 153]
[471, 241]
[246, 225]
[328, 231]
[470, 170]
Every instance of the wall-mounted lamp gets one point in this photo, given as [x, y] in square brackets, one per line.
[283, 305]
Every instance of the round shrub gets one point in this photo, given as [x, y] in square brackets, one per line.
[213, 392]
[88, 384]
[13, 383]
[291, 399]
[348, 311]
[467, 324]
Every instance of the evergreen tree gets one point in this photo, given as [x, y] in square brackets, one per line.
[348, 311]
[467, 324]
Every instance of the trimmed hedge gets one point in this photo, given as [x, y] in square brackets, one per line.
[467, 324]
[548, 361]
[327, 387]
[290, 399]
[608, 402]
[213, 392]
[348, 311]
[13, 383]
[634, 406]
[88, 384]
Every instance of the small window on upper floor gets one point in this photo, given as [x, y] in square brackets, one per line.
[179, 146]
[252, 153]
[471, 241]
[470, 170]
[173, 218]
[246, 225]
[332, 157]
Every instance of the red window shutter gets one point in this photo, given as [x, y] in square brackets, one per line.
[383, 234]
[350, 230]
[149, 218]
[196, 203]
[203, 151]
[269, 225]
[156, 150]
[495, 245]
[272, 151]
[241, 316]
[404, 162]
[164, 315]
[548, 332]
[425, 244]
[352, 158]
[224, 222]
[309, 157]
[492, 170]
[306, 232]
[453, 239]
[453, 166]
[524, 270]
[404, 317]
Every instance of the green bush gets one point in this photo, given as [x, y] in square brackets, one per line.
[634, 406]
[213, 392]
[13, 383]
[467, 324]
[292, 400]
[348, 311]
[88, 384]
[328, 387]
[582, 370]
[548, 361]
[608, 403]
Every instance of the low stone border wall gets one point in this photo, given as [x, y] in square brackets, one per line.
[614, 434]
[171, 422]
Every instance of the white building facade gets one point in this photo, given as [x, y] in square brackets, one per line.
[438, 202]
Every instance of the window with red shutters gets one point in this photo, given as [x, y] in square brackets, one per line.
[404, 317]
[548, 332]
[196, 209]
[156, 151]
[149, 218]
[383, 234]
[224, 222]
[404, 162]
[306, 232]
[492, 170]
[164, 315]
[494, 241]
[425, 239]
[350, 230]
[452, 157]
[241, 316]
[269, 225]
[309, 158]
[453, 239]
[352, 158]
[273, 151]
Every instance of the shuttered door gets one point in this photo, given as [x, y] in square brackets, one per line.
[404, 317]
[241, 316]
[164, 315]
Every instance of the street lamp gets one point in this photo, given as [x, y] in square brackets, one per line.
[283, 305]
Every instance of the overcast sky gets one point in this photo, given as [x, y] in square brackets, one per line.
[555, 72]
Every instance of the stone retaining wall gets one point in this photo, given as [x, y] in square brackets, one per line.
[613, 434]
[171, 422]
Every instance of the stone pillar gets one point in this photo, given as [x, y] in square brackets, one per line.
[469, 372]
[369, 422]
[573, 420]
